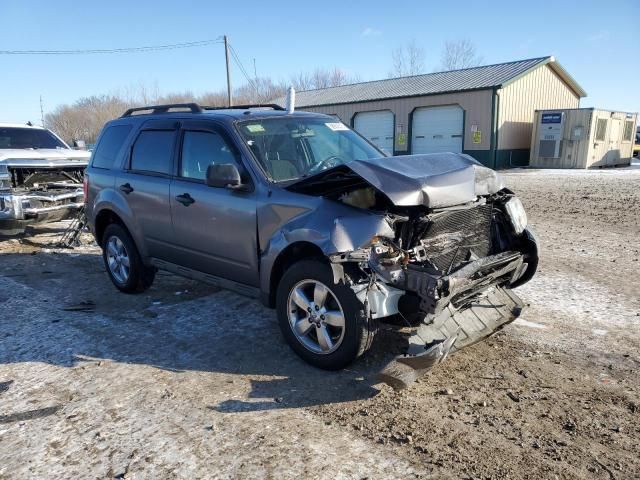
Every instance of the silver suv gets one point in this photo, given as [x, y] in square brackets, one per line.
[302, 212]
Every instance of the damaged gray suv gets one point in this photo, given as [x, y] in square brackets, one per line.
[302, 212]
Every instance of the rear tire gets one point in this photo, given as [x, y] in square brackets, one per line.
[324, 323]
[123, 263]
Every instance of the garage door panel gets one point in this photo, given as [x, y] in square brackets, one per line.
[377, 127]
[437, 129]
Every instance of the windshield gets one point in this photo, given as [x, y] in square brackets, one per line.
[293, 148]
[14, 137]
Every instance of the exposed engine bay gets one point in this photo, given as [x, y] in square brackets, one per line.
[446, 271]
[41, 179]
[35, 194]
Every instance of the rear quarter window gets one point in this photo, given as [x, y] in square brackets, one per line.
[110, 145]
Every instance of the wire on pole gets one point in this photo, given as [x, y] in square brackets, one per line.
[151, 48]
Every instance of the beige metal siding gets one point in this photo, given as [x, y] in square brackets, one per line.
[587, 152]
[613, 150]
[476, 106]
[540, 89]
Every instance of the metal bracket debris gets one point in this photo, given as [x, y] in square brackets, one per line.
[71, 236]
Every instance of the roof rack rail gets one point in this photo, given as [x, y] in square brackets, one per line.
[154, 109]
[273, 106]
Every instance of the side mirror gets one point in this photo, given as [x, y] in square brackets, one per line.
[224, 175]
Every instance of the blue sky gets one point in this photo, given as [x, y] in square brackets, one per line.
[593, 40]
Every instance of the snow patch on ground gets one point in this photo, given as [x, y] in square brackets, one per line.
[521, 322]
[571, 296]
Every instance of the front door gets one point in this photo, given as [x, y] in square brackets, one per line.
[214, 228]
[613, 153]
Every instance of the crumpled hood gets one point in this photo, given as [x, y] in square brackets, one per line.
[43, 156]
[434, 180]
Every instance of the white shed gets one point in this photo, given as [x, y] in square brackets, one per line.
[582, 138]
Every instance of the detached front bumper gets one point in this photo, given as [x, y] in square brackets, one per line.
[19, 210]
[452, 330]
[460, 309]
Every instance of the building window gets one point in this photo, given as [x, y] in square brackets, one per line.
[601, 129]
[628, 131]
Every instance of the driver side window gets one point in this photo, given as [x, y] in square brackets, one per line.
[201, 149]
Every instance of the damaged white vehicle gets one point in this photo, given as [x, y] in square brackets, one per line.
[40, 177]
[299, 210]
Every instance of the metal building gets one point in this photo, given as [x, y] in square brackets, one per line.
[582, 138]
[484, 111]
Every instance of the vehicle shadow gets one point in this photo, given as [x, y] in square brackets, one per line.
[178, 325]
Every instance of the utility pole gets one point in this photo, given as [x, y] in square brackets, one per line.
[41, 112]
[226, 55]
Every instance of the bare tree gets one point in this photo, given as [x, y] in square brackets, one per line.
[459, 54]
[260, 90]
[407, 60]
[322, 78]
[84, 119]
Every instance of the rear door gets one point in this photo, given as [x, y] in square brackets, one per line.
[144, 184]
[214, 228]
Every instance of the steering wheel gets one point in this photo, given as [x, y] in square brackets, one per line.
[329, 162]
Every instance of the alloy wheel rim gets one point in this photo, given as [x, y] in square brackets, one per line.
[316, 317]
[118, 260]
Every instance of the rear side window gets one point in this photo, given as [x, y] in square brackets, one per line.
[110, 145]
[153, 151]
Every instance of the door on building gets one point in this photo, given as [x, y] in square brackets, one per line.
[377, 127]
[437, 129]
[613, 153]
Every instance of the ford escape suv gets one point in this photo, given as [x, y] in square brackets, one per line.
[302, 212]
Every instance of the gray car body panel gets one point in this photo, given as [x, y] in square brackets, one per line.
[287, 218]
[433, 180]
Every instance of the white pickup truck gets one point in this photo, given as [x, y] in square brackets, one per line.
[40, 177]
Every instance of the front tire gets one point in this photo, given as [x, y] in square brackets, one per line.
[123, 263]
[324, 323]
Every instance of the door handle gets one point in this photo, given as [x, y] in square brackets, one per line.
[126, 188]
[185, 199]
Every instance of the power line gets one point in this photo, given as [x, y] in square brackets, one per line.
[152, 48]
[235, 56]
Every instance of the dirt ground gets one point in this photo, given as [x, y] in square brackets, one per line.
[187, 381]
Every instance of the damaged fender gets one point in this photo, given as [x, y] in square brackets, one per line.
[332, 227]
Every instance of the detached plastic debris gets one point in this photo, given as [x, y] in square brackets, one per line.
[88, 306]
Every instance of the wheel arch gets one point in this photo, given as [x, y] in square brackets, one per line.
[108, 215]
[288, 256]
[103, 219]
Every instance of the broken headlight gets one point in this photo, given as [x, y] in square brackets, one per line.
[517, 215]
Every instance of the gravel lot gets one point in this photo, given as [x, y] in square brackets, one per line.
[186, 381]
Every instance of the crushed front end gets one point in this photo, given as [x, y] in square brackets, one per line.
[448, 273]
[37, 191]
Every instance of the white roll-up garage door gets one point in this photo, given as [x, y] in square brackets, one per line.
[437, 129]
[377, 127]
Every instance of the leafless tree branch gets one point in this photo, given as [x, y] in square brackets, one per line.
[407, 60]
[459, 54]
